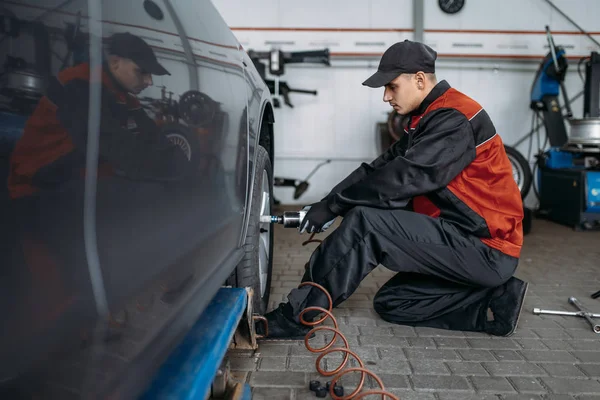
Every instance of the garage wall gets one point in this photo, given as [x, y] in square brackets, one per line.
[490, 51]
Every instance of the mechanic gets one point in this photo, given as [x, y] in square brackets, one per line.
[52, 149]
[440, 207]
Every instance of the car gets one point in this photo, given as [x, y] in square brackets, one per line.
[104, 272]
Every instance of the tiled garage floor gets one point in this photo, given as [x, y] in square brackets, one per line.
[549, 357]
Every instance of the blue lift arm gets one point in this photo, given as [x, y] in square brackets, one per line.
[189, 371]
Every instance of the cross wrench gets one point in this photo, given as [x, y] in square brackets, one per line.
[581, 313]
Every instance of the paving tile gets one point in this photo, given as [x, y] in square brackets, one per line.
[375, 330]
[465, 396]
[429, 367]
[591, 370]
[531, 344]
[476, 355]
[411, 395]
[360, 321]
[466, 368]
[557, 344]
[427, 331]
[558, 397]
[244, 363]
[405, 331]
[565, 370]
[507, 355]
[494, 344]
[572, 386]
[591, 345]
[263, 393]
[451, 343]
[527, 384]
[587, 356]
[300, 364]
[278, 379]
[423, 342]
[548, 356]
[393, 353]
[552, 333]
[273, 350]
[434, 382]
[492, 384]
[513, 369]
[432, 354]
[385, 341]
[392, 381]
[390, 365]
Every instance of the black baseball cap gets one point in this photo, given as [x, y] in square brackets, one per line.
[133, 47]
[402, 58]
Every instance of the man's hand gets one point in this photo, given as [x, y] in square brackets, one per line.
[318, 218]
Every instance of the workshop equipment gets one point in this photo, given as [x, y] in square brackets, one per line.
[581, 313]
[569, 172]
[277, 60]
[300, 187]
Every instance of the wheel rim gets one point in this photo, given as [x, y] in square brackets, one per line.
[182, 142]
[265, 235]
[518, 173]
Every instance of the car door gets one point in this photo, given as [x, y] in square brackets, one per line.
[139, 256]
[216, 51]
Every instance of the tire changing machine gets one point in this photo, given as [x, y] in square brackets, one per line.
[569, 172]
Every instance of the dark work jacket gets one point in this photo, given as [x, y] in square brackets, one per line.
[451, 164]
[52, 149]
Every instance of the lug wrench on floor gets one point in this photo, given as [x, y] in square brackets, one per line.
[581, 313]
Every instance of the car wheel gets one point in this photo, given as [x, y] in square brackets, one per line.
[183, 138]
[255, 269]
[521, 171]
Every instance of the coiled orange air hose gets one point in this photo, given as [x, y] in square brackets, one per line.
[325, 350]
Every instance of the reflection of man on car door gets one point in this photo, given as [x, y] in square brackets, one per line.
[52, 153]
[52, 149]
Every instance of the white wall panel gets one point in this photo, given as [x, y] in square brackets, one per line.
[340, 122]
[242, 13]
[324, 14]
[391, 14]
[490, 14]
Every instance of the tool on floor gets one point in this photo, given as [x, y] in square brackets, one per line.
[581, 313]
[596, 295]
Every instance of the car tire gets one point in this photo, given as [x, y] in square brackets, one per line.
[521, 170]
[255, 269]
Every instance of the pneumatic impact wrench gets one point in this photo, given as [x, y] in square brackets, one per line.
[289, 219]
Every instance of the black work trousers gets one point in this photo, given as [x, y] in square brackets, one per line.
[445, 277]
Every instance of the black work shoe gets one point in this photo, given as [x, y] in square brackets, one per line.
[506, 305]
[281, 325]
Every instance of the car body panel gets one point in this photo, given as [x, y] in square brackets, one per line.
[163, 249]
